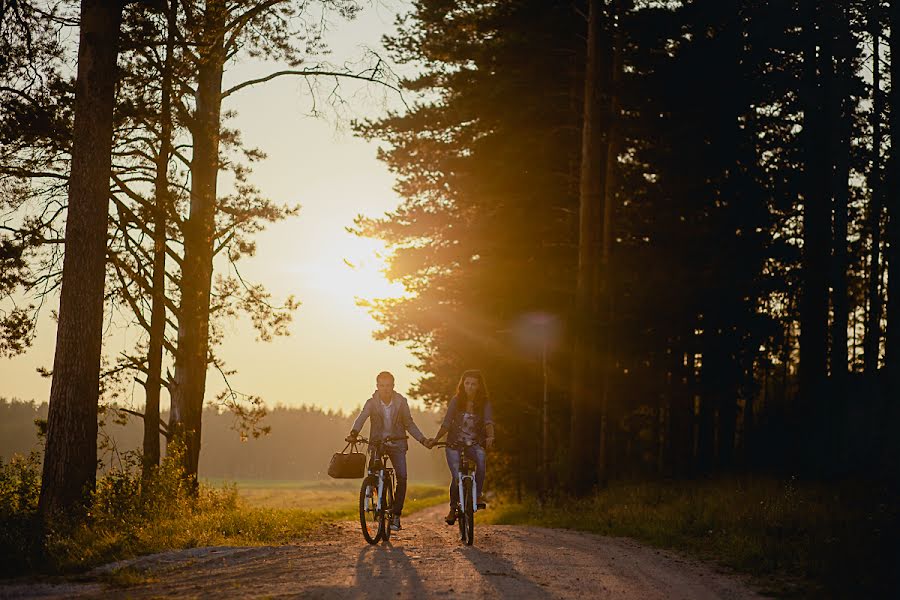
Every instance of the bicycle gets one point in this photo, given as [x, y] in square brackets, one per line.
[376, 495]
[468, 493]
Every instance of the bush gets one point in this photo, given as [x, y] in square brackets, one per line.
[130, 515]
[20, 488]
[127, 516]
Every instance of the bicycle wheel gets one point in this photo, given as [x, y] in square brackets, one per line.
[468, 514]
[387, 502]
[370, 518]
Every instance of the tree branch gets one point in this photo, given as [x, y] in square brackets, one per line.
[316, 73]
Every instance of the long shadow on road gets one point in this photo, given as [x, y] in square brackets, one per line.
[391, 562]
[502, 577]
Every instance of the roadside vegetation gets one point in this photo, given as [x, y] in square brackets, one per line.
[797, 539]
[128, 517]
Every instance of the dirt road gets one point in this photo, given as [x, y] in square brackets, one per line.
[425, 560]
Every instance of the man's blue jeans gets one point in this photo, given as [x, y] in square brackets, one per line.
[398, 460]
[475, 453]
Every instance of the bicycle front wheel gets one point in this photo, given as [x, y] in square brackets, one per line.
[369, 517]
[468, 514]
[387, 501]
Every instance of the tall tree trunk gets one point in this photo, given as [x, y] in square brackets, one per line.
[709, 388]
[816, 230]
[609, 414]
[70, 460]
[193, 322]
[734, 313]
[158, 302]
[872, 341]
[586, 423]
[840, 116]
[892, 337]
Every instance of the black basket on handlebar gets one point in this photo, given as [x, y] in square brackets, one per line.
[347, 465]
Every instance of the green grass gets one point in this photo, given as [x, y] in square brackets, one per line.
[329, 495]
[245, 514]
[129, 517]
[817, 540]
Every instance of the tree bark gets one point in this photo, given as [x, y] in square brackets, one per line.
[70, 460]
[160, 220]
[193, 324]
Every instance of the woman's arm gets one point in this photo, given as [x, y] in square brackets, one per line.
[448, 419]
[441, 433]
[488, 425]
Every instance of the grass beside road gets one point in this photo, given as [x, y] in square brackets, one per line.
[329, 495]
[243, 513]
[128, 517]
[813, 540]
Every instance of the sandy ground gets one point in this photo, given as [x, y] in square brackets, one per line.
[424, 560]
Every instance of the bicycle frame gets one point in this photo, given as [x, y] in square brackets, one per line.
[379, 480]
[469, 470]
[466, 472]
[376, 453]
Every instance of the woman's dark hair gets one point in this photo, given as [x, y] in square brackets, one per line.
[481, 396]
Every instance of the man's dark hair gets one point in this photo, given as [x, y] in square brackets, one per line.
[384, 374]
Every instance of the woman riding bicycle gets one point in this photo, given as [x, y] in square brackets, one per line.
[469, 421]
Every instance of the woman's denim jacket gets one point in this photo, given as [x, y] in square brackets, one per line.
[453, 419]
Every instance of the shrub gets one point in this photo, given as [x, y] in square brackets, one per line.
[20, 488]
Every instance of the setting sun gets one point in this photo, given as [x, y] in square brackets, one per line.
[352, 268]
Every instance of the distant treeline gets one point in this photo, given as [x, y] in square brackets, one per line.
[299, 445]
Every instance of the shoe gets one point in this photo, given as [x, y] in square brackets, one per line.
[451, 517]
[395, 523]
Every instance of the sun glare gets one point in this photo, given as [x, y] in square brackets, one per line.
[350, 268]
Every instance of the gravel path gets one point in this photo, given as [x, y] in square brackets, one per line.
[424, 560]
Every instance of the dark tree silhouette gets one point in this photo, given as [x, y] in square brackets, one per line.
[590, 362]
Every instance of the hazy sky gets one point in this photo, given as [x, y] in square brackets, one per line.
[330, 359]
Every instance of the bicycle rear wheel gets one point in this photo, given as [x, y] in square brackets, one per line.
[468, 514]
[387, 502]
[369, 517]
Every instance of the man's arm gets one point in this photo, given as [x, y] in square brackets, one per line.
[410, 425]
[361, 419]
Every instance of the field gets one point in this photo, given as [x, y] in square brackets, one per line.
[332, 496]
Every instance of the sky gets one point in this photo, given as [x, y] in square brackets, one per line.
[330, 359]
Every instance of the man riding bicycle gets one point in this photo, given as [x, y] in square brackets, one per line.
[389, 412]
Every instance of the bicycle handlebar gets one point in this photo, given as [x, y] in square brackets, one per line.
[361, 440]
[456, 446]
